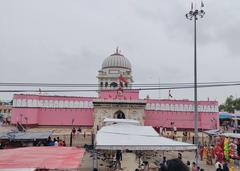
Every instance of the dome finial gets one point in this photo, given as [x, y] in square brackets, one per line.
[117, 52]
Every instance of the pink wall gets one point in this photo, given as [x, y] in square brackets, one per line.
[84, 116]
[81, 117]
[47, 116]
[181, 119]
[25, 116]
[52, 116]
[127, 94]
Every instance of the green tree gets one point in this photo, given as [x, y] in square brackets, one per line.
[230, 105]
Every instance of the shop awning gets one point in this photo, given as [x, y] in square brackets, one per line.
[133, 137]
[41, 158]
[24, 136]
[213, 132]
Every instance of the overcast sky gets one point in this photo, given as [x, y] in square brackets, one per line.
[66, 41]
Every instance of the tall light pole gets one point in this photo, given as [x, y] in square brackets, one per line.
[194, 14]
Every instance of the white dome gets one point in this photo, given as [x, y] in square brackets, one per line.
[116, 60]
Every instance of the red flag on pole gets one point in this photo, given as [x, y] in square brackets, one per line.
[121, 78]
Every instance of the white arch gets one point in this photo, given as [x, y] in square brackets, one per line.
[172, 107]
[51, 105]
[40, 103]
[191, 108]
[212, 108]
[147, 106]
[66, 104]
[24, 103]
[85, 105]
[158, 106]
[81, 104]
[208, 108]
[153, 107]
[176, 106]
[76, 104]
[14, 102]
[34, 103]
[163, 107]
[29, 102]
[199, 108]
[71, 104]
[45, 103]
[181, 107]
[55, 103]
[204, 108]
[19, 102]
[167, 107]
[185, 108]
[61, 104]
[90, 104]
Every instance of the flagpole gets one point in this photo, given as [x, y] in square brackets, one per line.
[195, 14]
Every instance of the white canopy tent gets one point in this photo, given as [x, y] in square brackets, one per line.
[132, 137]
[110, 121]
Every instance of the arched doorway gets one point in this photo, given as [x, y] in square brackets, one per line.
[119, 115]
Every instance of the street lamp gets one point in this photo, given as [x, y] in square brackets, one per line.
[195, 14]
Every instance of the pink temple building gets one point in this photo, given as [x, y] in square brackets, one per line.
[112, 102]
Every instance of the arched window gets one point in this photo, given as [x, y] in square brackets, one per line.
[157, 106]
[163, 107]
[24, 102]
[81, 104]
[71, 104]
[61, 104]
[148, 106]
[45, 103]
[106, 84]
[40, 103]
[101, 84]
[56, 104]
[167, 107]
[153, 106]
[113, 84]
[19, 102]
[14, 102]
[50, 103]
[119, 115]
[34, 103]
[76, 104]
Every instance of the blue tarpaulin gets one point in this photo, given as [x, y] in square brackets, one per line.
[226, 115]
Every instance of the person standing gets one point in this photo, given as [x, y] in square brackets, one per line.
[201, 152]
[194, 166]
[180, 156]
[219, 168]
[225, 166]
[161, 131]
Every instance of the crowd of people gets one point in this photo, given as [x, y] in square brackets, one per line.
[55, 142]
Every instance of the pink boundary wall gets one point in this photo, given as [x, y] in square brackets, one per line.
[84, 116]
[181, 119]
[52, 116]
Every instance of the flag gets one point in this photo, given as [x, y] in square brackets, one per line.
[202, 4]
[121, 78]
[169, 94]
